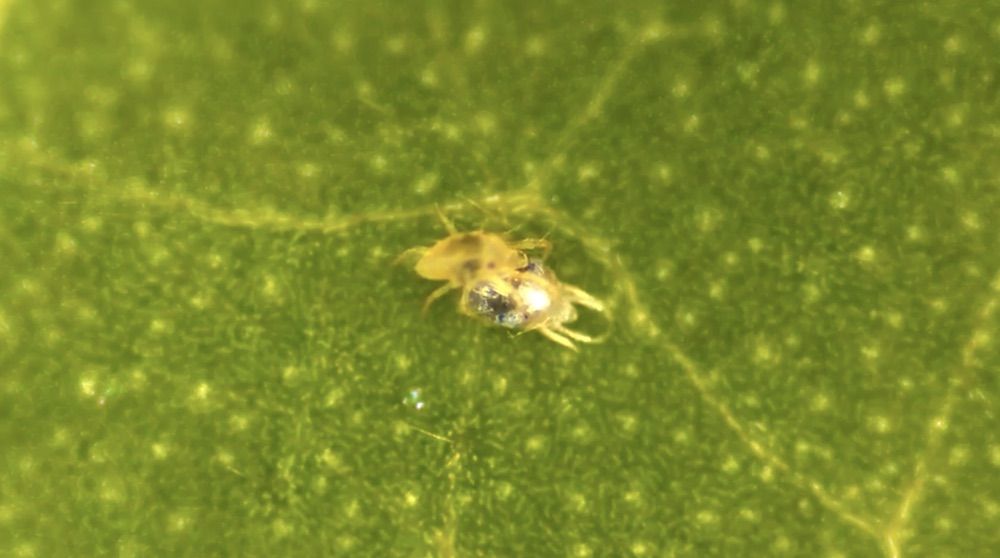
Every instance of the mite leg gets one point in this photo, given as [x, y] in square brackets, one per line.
[575, 335]
[448, 225]
[438, 293]
[561, 339]
[578, 295]
[488, 213]
[534, 244]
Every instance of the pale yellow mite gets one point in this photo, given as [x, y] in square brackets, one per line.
[502, 285]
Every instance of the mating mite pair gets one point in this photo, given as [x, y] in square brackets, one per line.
[502, 285]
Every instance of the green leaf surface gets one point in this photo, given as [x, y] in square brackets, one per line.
[206, 350]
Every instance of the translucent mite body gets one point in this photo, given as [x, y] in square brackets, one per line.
[502, 286]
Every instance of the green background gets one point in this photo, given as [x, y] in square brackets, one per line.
[206, 350]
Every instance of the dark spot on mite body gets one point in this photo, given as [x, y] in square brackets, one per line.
[469, 241]
[471, 265]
